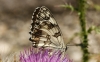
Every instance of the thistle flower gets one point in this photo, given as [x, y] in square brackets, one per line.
[42, 55]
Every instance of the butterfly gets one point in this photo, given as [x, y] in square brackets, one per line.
[45, 31]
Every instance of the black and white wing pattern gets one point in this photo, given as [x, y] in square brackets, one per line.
[45, 31]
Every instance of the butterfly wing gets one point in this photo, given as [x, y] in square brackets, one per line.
[45, 31]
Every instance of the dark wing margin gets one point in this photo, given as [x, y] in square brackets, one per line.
[45, 31]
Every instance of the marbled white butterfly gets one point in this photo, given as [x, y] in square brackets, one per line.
[45, 31]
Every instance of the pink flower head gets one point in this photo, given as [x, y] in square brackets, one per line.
[42, 55]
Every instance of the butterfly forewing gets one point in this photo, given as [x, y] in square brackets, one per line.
[45, 31]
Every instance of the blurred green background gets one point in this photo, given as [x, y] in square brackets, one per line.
[15, 20]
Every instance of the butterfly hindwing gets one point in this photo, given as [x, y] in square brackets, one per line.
[45, 31]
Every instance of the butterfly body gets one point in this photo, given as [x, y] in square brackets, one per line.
[45, 31]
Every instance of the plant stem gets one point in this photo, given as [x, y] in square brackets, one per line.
[84, 37]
